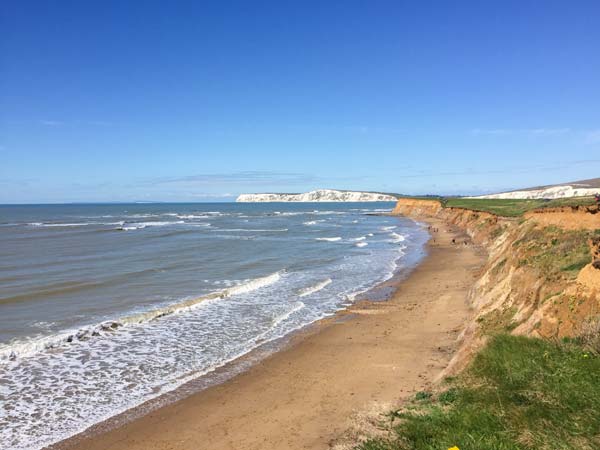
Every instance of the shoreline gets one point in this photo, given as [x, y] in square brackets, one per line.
[300, 382]
[380, 292]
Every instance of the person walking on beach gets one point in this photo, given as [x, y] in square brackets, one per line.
[597, 198]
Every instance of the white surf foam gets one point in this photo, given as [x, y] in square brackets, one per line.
[30, 346]
[329, 239]
[278, 320]
[328, 213]
[274, 230]
[254, 284]
[78, 224]
[193, 216]
[397, 237]
[315, 288]
[142, 225]
[289, 214]
[61, 422]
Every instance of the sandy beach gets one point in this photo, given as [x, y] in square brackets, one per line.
[369, 357]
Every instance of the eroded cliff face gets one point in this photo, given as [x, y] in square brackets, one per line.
[571, 218]
[542, 276]
[417, 208]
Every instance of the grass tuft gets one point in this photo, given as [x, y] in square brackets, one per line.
[556, 252]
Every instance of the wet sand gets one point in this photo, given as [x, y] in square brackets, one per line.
[302, 397]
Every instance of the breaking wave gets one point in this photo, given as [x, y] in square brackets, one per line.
[315, 288]
[397, 237]
[142, 225]
[31, 346]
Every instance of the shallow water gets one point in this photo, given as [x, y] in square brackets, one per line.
[105, 306]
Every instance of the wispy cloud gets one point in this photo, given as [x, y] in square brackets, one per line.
[521, 131]
[59, 123]
[239, 178]
[52, 123]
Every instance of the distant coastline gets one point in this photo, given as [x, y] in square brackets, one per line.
[321, 195]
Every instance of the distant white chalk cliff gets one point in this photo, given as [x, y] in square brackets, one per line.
[321, 195]
[550, 192]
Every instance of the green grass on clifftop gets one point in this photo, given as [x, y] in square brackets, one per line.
[518, 394]
[514, 207]
[500, 207]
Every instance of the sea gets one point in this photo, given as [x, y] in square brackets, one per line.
[106, 306]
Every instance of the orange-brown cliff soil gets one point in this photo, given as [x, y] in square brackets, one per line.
[542, 276]
[570, 218]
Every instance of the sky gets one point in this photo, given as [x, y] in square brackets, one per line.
[200, 101]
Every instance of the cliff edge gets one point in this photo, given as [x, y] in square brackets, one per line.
[542, 276]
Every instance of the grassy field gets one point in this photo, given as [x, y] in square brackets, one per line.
[518, 394]
[513, 207]
[501, 207]
[572, 201]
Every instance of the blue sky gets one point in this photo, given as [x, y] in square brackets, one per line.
[195, 101]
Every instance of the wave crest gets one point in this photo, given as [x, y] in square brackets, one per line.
[314, 288]
[11, 351]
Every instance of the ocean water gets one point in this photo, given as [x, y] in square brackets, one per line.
[103, 307]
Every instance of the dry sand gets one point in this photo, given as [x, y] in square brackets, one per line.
[374, 354]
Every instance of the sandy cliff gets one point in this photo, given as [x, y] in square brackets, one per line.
[417, 207]
[571, 218]
[542, 276]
